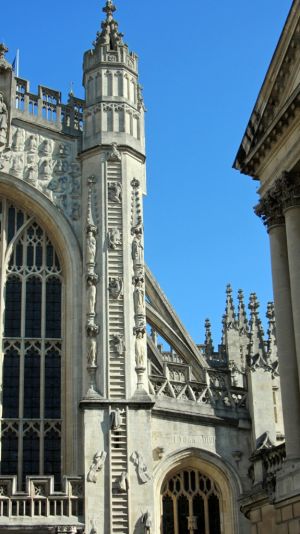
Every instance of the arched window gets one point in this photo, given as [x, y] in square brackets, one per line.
[31, 282]
[191, 504]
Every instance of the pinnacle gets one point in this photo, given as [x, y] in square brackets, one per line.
[109, 35]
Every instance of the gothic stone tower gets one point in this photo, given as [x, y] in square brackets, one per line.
[116, 406]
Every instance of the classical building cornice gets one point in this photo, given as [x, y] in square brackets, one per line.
[284, 194]
[275, 109]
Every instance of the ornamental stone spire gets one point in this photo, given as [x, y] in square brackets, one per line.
[109, 35]
[242, 317]
[229, 310]
[209, 348]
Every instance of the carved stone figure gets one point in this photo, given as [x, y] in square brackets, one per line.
[31, 174]
[32, 144]
[90, 248]
[147, 521]
[115, 287]
[97, 465]
[116, 419]
[92, 329]
[19, 140]
[75, 213]
[47, 148]
[138, 228]
[115, 192]
[91, 297]
[5, 159]
[46, 169]
[114, 238]
[92, 351]
[122, 484]
[137, 250]
[140, 350]
[142, 469]
[61, 166]
[3, 121]
[118, 342]
[64, 150]
[114, 154]
[17, 165]
[139, 298]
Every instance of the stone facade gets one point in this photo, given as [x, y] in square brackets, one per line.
[269, 152]
[122, 423]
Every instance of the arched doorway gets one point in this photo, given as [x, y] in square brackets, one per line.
[191, 504]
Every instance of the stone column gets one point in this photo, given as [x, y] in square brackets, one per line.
[292, 217]
[286, 340]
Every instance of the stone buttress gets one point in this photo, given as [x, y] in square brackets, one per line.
[116, 404]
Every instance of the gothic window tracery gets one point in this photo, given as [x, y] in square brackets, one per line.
[191, 504]
[31, 282]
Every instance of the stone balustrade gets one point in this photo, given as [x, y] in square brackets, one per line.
[40, 499]
[46, 107]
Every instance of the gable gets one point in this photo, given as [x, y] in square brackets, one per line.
[278, 98]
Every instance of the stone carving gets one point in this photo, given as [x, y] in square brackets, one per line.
[91, 296]
[115, 287]
[135, 183]
[18, 140]
[139, 298]
[4, 65]
[90, 248]
[44, 164]
[114, 238]
[92, 351]
[115, 192]
[46, 169]
[96, 467]
[121, 485]
[140, 350]
[32, 144]
[92, 329]
[114, 154]
[3, 121]
[137, 250]
[116, 419]
[141, 468]
[118, 342]
[17, 165]
[138, 228]
[147, 521]
[46, 147]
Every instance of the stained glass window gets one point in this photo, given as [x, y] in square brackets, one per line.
[32, 348]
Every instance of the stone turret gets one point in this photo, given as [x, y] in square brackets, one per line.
[114, 104]
[113, 170]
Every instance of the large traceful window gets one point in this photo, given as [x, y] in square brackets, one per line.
[191, 504]
[31, 281]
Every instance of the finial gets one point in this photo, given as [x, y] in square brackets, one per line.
[270, 311]
[230, 321]
[4, 65]
[243, 322]
[209, 348]
[3, 50]
[109, 35]
[109, 8]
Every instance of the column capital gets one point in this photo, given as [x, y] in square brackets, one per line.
[284, 194]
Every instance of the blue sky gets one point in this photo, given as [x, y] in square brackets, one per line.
[202, 64]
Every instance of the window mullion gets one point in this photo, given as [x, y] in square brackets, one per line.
[206, 515]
